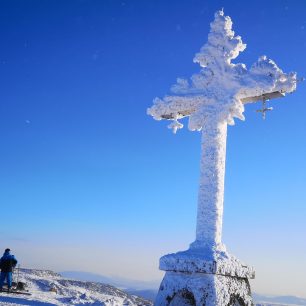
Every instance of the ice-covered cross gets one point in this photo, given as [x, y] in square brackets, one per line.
[212, 99]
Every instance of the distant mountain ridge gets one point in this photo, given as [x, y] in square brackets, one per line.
[279, 300]
[119, 282]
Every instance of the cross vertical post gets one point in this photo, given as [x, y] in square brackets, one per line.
[211, 187]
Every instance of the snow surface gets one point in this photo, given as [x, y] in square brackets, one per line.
[196, 261]
[69, 292]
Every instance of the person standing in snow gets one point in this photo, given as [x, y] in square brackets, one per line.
[7, 263]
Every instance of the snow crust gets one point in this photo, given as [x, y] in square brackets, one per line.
[197, 261]
[220, 85]
[68, 292]
[211, 189]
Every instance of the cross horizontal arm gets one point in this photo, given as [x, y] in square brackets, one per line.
[176, 107]
[266, 97]
[171, 113]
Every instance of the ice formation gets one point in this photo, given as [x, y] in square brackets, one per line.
[212, 99]
[221, 86]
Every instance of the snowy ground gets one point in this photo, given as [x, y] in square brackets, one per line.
[68, 292]
[75, 292]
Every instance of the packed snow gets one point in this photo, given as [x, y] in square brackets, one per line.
[49, 288]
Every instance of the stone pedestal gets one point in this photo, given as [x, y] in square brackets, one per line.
[193, 279]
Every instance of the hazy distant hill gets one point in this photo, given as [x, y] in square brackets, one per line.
[115, 281]
[279, 300]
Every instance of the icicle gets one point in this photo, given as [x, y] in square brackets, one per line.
[175, 125]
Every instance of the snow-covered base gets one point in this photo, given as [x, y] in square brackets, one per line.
[202, 261]
[200, 289]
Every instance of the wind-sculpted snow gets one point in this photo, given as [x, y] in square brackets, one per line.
[49, 288]
[220, 86]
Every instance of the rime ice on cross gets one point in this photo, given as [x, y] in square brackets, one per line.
[212, 99]
[206, 274]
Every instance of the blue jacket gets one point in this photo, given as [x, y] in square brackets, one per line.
[7, 262]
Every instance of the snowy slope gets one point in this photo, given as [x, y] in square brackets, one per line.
[68, 292]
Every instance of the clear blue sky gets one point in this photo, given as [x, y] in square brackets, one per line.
[85, 173]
